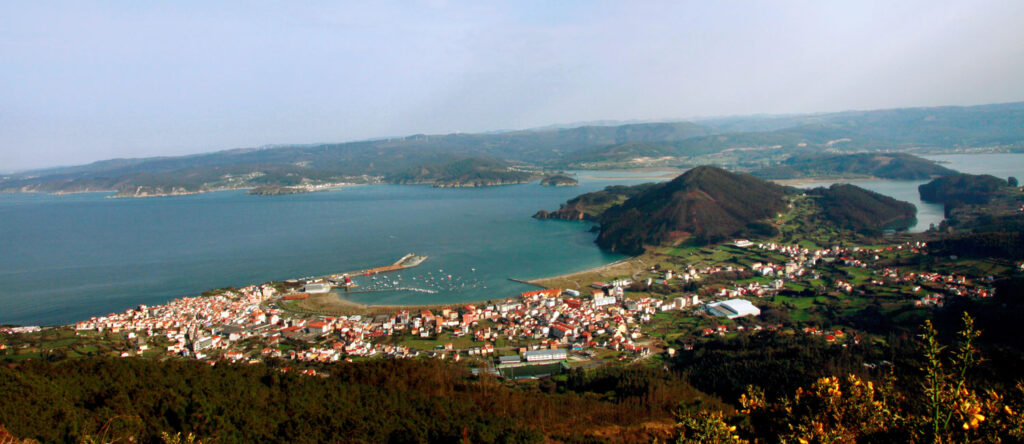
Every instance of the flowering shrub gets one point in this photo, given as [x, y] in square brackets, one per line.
[942, 405]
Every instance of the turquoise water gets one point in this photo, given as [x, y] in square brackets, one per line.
[66, 258]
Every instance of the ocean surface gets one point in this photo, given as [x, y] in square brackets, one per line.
[67, 258]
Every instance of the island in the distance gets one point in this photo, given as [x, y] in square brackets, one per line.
[559, 180]
[470, 172]
[277, 191]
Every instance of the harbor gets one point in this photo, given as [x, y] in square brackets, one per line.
[408, 261]
[331, 294]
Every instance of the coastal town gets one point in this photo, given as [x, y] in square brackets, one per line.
[609, 320]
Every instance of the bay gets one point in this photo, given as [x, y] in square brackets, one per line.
[65, 258]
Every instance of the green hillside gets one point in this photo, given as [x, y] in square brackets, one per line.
[855, 208]
[961, 188]
[589, 206]
[707, 203]
[710, 205]
[899, 166]
[473, 172]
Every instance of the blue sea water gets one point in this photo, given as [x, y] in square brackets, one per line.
[66, 258]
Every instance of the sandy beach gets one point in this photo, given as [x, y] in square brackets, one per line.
[582, 279]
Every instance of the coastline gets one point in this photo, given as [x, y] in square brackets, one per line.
[113, 193]
[334, 303]
[581, 279]
[809, 181]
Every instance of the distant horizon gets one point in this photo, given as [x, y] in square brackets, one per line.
[548, 127]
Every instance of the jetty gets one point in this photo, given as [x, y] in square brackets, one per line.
[523, 281]
[408, 261]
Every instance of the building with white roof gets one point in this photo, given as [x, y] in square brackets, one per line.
[733, 308]
[317, 288]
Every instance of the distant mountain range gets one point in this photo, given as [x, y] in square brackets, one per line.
[741, 143]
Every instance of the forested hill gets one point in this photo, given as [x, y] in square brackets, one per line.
[855, 208]
[899, 166]
[759, 139]
[962, 188]
[705, 202]
[590, 206]
[710, 205]
[382, 400]
[473, 172]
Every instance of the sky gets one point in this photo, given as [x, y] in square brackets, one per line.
[86, 81]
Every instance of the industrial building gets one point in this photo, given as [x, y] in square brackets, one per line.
[317, 288]
[545, 355]
[733, 308]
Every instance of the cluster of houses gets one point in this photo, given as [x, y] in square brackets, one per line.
[209, 327]
[833, 335]
[952, 285]
[551, 321]
[190, 323]
[20, 330]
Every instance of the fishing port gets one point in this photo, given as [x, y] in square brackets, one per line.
[408, 261]
[324, 284]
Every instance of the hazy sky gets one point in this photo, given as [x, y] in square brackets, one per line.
[83, 81]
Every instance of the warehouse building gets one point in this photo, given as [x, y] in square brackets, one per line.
[545, 355]
[733, 308]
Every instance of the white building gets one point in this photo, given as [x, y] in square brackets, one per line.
[733, 308]
[317, 288]
[545, 355]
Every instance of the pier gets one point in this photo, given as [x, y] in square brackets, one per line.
[526, 282]
[408, 261]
